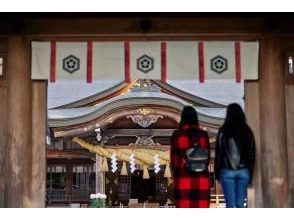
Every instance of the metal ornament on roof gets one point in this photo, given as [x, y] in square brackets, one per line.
[144, 120]
[144, 141]
[145, 86]
[98, 136]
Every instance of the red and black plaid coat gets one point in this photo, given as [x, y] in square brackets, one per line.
[190, 190]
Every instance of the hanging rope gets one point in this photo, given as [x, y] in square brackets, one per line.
[146, 172]
[105, 165]
[167, 172]
[124, 171]
[141, 156]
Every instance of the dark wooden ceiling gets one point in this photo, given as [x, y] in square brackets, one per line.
[122, 23]
[42, 15]
[36, 15]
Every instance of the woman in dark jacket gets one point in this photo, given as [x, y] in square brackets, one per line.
[191, 190]
[234, 157]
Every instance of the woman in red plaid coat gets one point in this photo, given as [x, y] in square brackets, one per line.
[191, 190]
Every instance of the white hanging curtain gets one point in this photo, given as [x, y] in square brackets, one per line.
[170, 60]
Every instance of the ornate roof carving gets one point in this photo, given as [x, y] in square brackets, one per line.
[145, 85]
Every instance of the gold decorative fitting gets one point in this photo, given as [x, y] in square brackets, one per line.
[109, 120]
[115, 181]
[145, 111]
[212, 139]
[57, 133]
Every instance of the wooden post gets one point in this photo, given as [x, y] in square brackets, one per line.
[273, 139]
[254, 196]
[69, 180]
[19, 121]
[4, 150]
[290, 138]
[100, 188]
[39, 170]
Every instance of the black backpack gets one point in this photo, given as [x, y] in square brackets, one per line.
[197, 159]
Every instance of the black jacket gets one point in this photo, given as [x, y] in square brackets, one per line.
[246, 146]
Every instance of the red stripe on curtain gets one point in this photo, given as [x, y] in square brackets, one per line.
[53, 62]
[238, 61]
[163, 62]
[127, 62]
[201, 62]
[90, 62]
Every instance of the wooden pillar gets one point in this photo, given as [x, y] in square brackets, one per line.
[19, 121]
[254, 194]
[39, 113]
[273, 139]
[4, 150]
[290, 138]
[100, 188]
[69, 180]
[3, 147]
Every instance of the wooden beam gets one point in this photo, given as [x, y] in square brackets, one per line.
[273, 133]
[69, 154]
[138, 132]
[167, 26]
[131, 26]
[150, 37]
[160, 147]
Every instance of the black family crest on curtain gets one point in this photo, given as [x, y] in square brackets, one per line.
[145, 63]
[71, 64]
[219, 64]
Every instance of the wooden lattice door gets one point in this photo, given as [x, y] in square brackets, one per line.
[161, 186]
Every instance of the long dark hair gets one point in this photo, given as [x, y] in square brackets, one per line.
[189, 116]
[235, 122]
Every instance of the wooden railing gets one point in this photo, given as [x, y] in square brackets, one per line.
[144, 205]
[217, 201]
